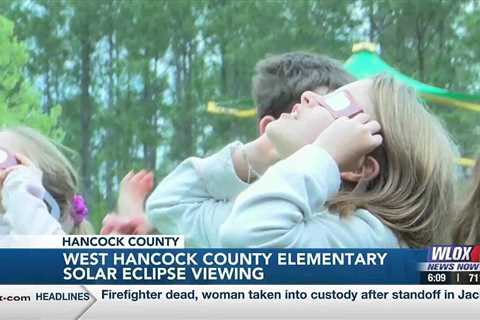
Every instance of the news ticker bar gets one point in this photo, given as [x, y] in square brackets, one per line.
[240, 302]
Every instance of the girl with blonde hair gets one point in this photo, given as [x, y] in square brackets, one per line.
[364, 166]
[467, 227]
[38, 187]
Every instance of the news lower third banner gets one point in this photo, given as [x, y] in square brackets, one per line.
[120, 277]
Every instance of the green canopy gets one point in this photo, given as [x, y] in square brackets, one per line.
[366, 63]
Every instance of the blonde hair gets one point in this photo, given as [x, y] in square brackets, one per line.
[59, 177]
[414, 192]
[467, 225]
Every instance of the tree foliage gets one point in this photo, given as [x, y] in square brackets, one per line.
[19, 101]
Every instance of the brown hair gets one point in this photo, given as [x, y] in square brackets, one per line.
[467, 226]
[414, 192]
[59, 177]
[280, 80]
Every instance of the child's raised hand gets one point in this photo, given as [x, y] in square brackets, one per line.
[134, 189]
[131, 218]
[22, 160]
[349, 140]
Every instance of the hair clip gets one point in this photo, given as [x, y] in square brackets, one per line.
[79, 210]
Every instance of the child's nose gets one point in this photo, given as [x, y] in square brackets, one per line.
[296, 107]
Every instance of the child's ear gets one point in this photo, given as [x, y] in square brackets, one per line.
[262, 124]
[369, 170]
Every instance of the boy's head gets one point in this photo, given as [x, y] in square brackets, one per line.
[280, 80]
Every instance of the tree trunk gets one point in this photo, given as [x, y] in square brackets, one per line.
[419, 32]
[148, 107]
[48, 95]
[110, 161]
[372, 25]
[86, 112]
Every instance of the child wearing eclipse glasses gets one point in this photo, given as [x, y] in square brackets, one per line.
[365, 166]
[38, 187]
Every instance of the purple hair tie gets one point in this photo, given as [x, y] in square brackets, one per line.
[79, 211]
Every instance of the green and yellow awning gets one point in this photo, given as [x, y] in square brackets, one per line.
[365, 62]
[213, 107]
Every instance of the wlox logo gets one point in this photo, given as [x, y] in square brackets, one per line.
[454, 254]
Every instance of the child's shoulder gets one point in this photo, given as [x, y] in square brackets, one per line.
[379, 232]
[359, 229]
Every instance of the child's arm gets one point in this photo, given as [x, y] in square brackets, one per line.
[22, 199]
[275, 211]
[196, 197]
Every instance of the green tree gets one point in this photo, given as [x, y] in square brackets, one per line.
[428, 40]
[19, 101]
